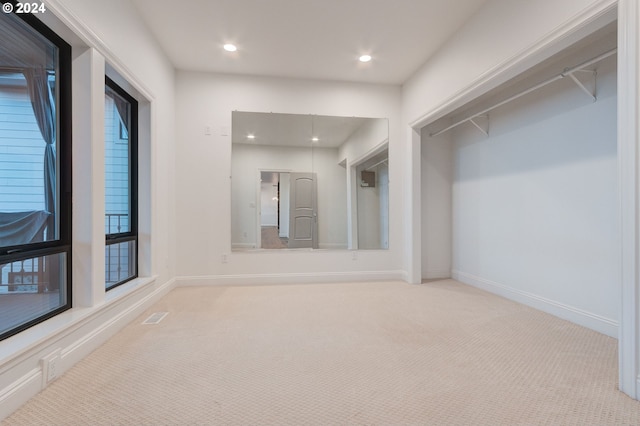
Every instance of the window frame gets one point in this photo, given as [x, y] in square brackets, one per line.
[61, 245]
[132, 234]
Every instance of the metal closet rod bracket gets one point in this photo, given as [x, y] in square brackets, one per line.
[567, 72]
[484, 126]
[593, 74]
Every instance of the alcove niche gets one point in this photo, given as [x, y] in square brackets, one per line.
[520, 187]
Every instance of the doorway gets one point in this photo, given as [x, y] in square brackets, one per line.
[288, 214]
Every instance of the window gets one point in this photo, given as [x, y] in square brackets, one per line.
[35, 173]
[121, 186]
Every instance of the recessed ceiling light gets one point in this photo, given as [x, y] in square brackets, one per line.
[315, 139]
[251, 136]
[364, 58]
[230, 47]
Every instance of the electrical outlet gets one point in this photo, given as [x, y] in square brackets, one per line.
[52, 372]
[224, 258]
[354, 255]
[50, 367]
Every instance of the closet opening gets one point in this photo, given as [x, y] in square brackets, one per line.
[520, 187]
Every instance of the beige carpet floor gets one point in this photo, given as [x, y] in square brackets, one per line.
[384, 353]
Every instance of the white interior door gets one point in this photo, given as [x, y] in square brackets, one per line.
[303, 220]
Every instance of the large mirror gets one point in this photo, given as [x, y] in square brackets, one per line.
[309, 182]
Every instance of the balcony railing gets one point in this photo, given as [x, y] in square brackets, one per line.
[32, 275]
[119, 256]
[26, 276]
[116, 223]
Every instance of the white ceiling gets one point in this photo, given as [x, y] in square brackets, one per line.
[317, 39]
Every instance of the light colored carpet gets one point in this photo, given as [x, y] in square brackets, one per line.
[387, 353]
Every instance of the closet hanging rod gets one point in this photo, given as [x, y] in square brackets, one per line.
[565, 73]
[376, 165]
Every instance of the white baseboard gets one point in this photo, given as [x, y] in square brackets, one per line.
[321, 246]
[75, 340]
[20, 391]
[118, 317]
[242, 246]
[292, 278]
[570, 313]
[332, 246]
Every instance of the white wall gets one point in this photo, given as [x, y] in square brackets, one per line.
[369, 139]
[123, 36]
[332, 198]
[103, 32]
[503, 33]
[268, 205]
[505, 38]
[285, 199]
[364, 141]
[383, 190]
[204, 238]
[436, 205]
[534, 205]
[535, 209]
[372, 208]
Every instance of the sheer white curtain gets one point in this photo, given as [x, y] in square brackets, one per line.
[22, 51]
[43, 104]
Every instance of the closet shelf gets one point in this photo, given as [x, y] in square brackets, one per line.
[568, 72]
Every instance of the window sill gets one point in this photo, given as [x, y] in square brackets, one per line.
[43, 334]
[128, 288]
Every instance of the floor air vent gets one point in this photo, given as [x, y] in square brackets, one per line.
[155, 318]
